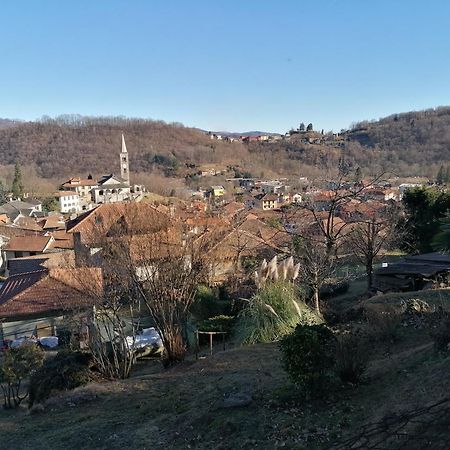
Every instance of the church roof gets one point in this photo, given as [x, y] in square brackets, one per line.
[124, 146]
[75, 181]
[111, 179]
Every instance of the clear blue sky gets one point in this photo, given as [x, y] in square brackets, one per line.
[222, 64]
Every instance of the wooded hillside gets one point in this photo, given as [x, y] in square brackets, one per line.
[72, 145]
[414, 143]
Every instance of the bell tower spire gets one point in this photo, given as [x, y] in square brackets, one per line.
[124, 165]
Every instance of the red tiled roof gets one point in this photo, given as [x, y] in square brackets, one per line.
[62, 240]
[18, 283]
[233, 208]
[101, 219]
[269, 198]
[10, 230]
[44, 292]
[65, 194]
[74, 182]
[51, 260]
[28, 244]
[27, 223]
[52, 222]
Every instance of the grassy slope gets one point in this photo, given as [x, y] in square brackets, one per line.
[435, 298]
[180, 408]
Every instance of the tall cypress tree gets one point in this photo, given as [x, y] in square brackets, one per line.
[3, 198]
[17, 185]
[440, 175]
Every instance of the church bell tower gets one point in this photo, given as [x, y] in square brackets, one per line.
[124, 165]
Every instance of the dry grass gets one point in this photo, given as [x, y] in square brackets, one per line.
[181, 408]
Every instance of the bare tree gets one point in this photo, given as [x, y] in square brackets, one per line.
[320, 242]
[151, 266]
[371, 235]
[165, 269]
[315, 268]
[108, 316]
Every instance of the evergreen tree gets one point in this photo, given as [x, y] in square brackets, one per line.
[3, 198]
[309, 127]
[301, 127]
[50, 204]
[440, 175]
[343, 166]
[17, 185]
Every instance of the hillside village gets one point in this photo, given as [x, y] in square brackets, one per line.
[250, 220]
[90, 270]
[218, 229]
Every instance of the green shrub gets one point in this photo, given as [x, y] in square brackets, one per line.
[217, 323]
[17, 364]
[206, 304]
[308, 356]
[271, 314]
[441, 336]
[351, 358]
[67, 370]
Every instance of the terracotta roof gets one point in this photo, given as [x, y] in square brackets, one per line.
[112, 218]
[52, 222]
[74, 182]
[16, 284]
[206, 222]
[269, 198]
[28, 244]
[233, 208]
[40, 262]
[65, 194]
[44, 291]
[27, 223]
[11, 230]
[158, 245]
[63, 240]
[276, 236]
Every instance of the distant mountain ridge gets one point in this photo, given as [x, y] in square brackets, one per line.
[244, 133]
